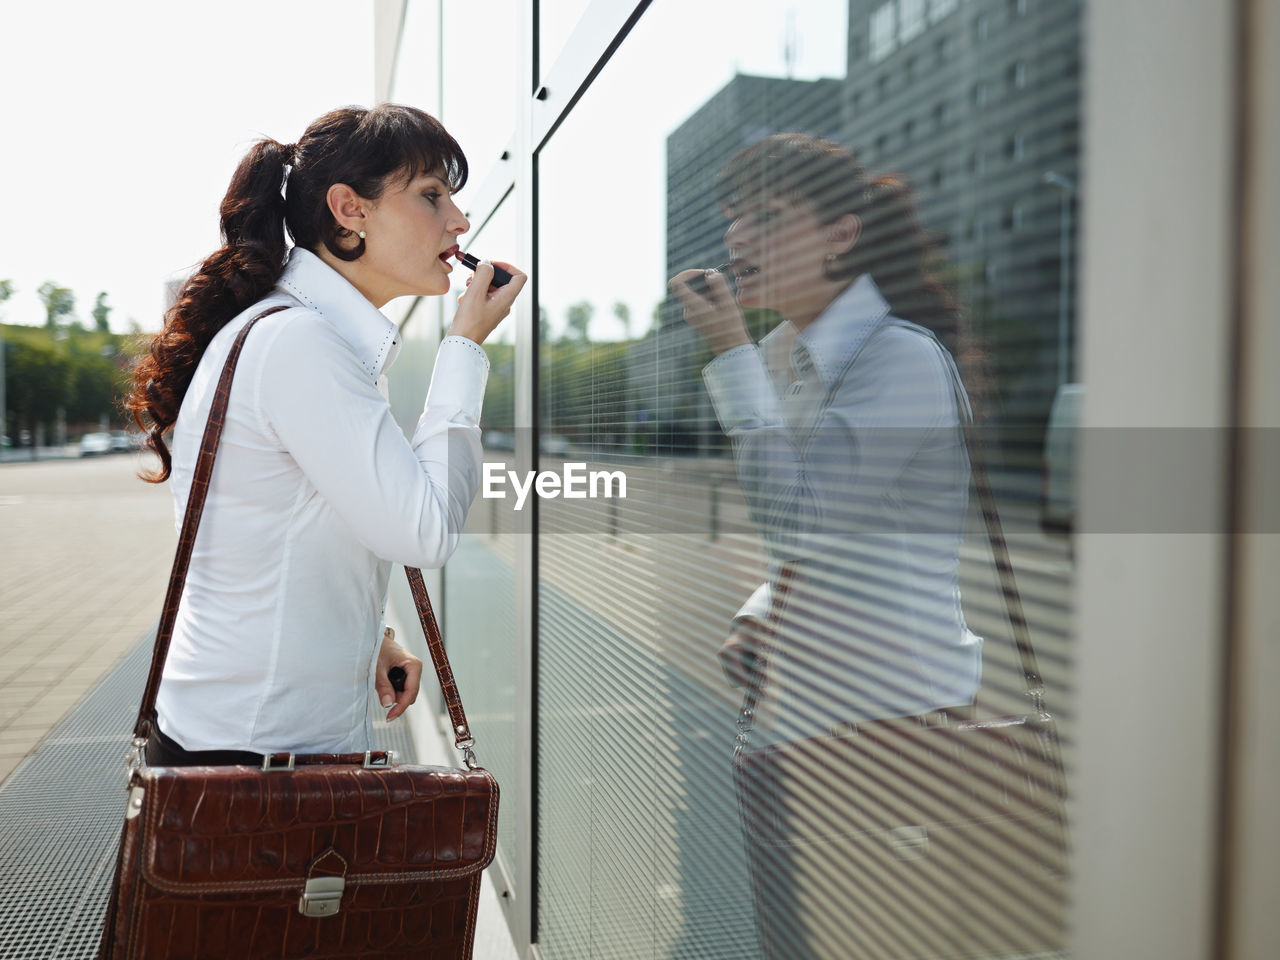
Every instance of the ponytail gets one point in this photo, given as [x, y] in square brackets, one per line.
[237, 275]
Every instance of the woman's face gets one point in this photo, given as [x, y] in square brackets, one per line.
[777, 248]
[410, 233]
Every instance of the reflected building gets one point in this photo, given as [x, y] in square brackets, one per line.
[977, 104]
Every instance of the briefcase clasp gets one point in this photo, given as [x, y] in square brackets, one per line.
[322, 897]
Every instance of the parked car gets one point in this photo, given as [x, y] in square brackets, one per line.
[122, 441]
[93, 444]
[1058, 466]
[497, 440]
[555, 446]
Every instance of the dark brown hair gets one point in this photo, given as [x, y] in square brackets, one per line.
[278, 188]
[893, 248]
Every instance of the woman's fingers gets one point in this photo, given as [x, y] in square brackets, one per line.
[412, 667]
[713, 313]
[482, 306]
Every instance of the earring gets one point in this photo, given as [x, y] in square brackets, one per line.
[361, 234]
[831, 258]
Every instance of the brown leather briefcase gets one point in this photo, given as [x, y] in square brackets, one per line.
[318, 856]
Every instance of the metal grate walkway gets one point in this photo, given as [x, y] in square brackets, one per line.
[62, 810]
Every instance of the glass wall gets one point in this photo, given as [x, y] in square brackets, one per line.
[947, 133]
[751, 666]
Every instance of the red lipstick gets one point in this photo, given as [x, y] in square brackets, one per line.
[500, 277]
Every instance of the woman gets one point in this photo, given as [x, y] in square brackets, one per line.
[315, 491]
[846, 430]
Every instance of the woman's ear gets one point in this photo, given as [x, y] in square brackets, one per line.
[843, 234]
[347, 207]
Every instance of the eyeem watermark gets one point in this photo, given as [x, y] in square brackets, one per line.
[575, 483]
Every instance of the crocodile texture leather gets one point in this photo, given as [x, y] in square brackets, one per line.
[215, 862]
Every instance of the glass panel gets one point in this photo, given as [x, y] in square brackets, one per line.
[479, 579]
[481, 79]
[838, 477]
[557, 20]
[417, 78]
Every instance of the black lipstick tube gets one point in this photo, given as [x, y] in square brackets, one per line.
[500, 277]
[699, 284]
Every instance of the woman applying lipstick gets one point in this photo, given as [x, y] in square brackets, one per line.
[846, 431]
[316, 490]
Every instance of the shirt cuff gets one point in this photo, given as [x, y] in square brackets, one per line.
[758, 605]
[460, 375]
[740, 389]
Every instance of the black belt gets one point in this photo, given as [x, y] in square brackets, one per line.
[164, 751]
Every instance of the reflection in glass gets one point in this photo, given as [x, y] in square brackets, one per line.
[641, 847]
[479, 579]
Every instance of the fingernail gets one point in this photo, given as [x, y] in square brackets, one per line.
[388, 701]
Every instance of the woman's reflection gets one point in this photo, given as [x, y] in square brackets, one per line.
[846, 425]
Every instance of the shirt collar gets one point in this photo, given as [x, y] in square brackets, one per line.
[831, 341]
[315, 284]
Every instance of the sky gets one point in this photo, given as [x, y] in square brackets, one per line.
[124, 122]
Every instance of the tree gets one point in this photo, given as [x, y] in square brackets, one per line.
[623, 313]
[101, 312]
[58, 302]
[38, 381]
[579, 317]
[6, 290]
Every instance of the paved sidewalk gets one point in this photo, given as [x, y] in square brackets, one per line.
[86, 553]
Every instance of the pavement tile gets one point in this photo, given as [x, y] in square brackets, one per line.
[88, 550]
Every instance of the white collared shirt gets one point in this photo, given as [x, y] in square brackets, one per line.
[849, 451]
[315, 492]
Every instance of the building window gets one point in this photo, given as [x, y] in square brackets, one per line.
[882, 145]
[1013, 148]
[1017, 217]
[940, 8]
[1018, 75]
[979, 94]
[935, 180]
[856, 100]
[977, 163]
[882, 86]
[908, 131]
[940, 115]
[942, 49]
[911, 68]
[884, 31]
[991, 272]
[981, 27]
[911, 22]
[1017, 8]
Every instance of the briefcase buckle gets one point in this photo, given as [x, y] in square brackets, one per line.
[322, 897]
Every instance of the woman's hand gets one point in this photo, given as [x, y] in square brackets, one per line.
[391, 654]
[738, 654]
[714, 314]
[481, 306]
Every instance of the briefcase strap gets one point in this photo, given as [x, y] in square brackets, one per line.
[999, 550]
[182, 561]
